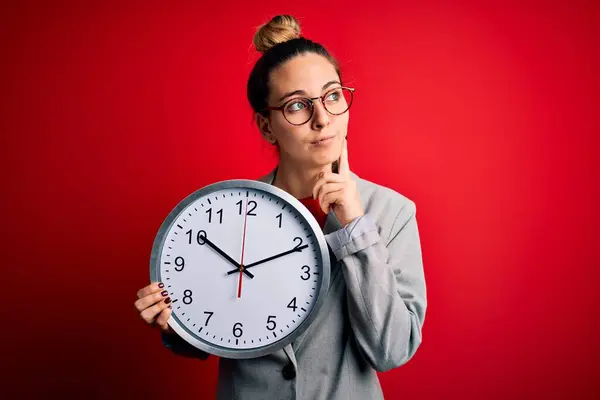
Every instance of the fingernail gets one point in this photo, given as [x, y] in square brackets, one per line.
[161, 285]
[167, 300]
[171, 307]
[164, 293]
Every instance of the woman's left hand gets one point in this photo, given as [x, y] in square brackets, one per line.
[339, 191]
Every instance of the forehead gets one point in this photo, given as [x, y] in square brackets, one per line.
[308, 72]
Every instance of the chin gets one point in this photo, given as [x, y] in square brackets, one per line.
[323, 161]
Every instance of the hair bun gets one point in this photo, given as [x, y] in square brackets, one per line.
[279, 29]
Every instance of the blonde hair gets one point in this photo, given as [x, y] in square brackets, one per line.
[279, 29]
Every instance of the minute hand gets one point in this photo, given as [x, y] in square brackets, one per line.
[294, 250]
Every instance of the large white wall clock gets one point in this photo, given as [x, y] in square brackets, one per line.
[246, 266]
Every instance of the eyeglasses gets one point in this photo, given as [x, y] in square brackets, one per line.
[299, 110]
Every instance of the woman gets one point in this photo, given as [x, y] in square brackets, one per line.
[375, 308]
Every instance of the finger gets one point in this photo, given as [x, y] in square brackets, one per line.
[163, 318]
[332, 177]
[329, 187]
[149, 314]
[152, 288]
[343, 166]
[145, 302]
[325, 178]
[331, 198]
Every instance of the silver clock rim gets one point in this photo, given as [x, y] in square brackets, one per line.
[168, 222]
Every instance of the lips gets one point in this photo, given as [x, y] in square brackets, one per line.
[322, 139]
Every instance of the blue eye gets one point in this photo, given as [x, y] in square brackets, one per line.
[296, 106]
[333, 96]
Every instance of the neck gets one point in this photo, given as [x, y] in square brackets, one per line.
[298, 180]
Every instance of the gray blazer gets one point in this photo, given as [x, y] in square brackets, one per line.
[371, 320]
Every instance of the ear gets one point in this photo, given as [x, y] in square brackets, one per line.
[264, 126]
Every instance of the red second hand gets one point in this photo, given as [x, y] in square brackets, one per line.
[243, 244]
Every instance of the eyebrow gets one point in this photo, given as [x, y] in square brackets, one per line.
[302, 92]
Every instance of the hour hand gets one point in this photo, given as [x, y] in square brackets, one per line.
[226, 256]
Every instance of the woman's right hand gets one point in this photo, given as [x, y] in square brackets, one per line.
[154, 305]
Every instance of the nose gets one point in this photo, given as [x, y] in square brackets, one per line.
[321, 117]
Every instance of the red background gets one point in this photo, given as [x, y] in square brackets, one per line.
[485, 114]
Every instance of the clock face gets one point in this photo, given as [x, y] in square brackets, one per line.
[246, 266]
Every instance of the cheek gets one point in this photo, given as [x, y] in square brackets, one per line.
[341, 122]
[288, 136]
[277, 122]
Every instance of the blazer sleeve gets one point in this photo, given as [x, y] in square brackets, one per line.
[180, 347]
[386, 288]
